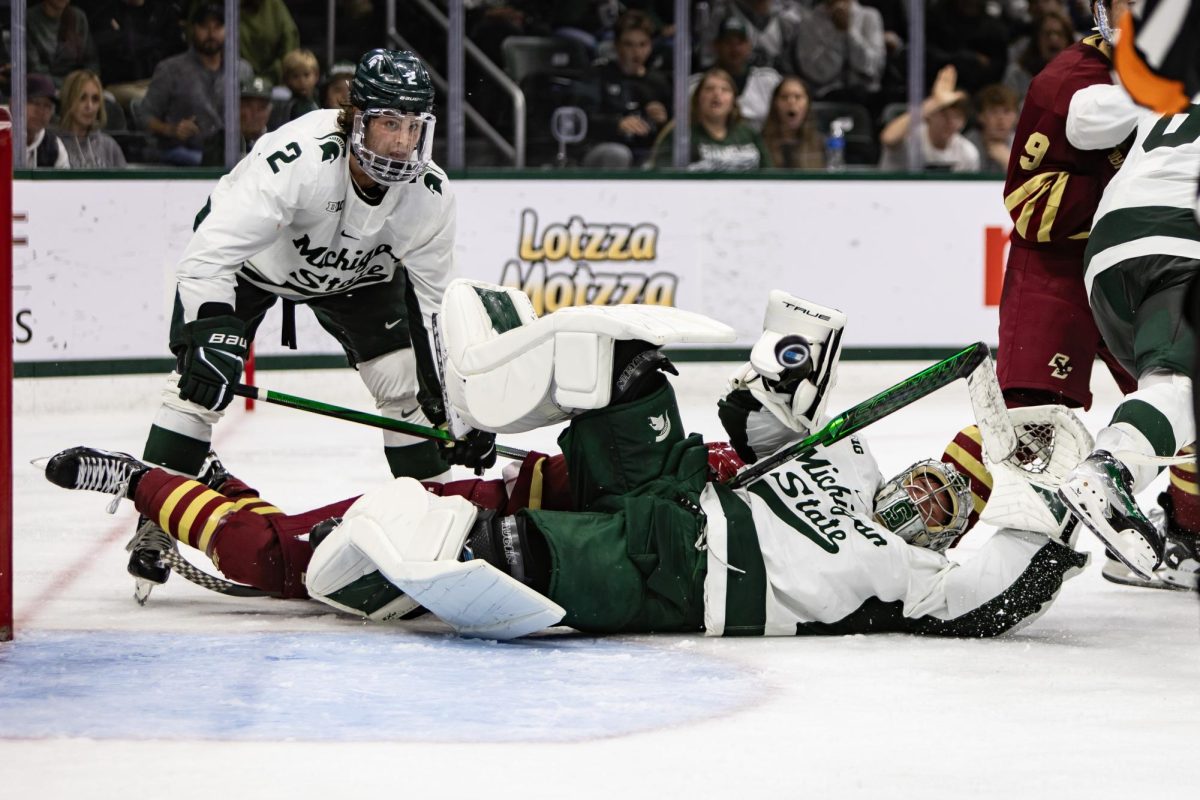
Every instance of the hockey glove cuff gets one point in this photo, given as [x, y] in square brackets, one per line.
[213, 361]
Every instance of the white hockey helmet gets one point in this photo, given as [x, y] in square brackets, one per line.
[927, 505]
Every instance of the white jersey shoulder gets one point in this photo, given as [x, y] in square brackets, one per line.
[290, 219]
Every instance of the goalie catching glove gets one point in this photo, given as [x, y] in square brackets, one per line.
[213, 358]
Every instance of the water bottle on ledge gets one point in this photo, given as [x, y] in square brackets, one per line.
[835, 144]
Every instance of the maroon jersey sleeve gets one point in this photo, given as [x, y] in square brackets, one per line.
[1052, 189]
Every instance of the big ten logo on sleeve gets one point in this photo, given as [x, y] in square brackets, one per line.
[555, 265]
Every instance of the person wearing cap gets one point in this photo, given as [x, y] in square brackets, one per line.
[840, 51]
[335, 89]
[770, 26]
[942, 142]
[185, 100]
[254, 110]
[753, 85]
[42, 148]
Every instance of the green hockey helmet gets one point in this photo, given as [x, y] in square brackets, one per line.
[392, 136]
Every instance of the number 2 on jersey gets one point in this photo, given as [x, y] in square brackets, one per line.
[1185, 132]
[293, 152]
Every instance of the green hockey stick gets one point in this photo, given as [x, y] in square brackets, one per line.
[963, 364]
[361, 417]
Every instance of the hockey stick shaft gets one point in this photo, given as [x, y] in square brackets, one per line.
[360, 417]
[960, 365]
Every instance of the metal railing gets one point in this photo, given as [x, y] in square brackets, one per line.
[514, 152]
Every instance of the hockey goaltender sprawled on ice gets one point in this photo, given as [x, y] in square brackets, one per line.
[635, 527]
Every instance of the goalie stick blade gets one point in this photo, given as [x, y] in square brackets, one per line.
[960, 365]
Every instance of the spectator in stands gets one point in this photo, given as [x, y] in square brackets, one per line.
[59, 40]
[184, 103]
[960, 33]
[335, 91]
[720, 140]
[942, 143]
[254, 110]
[1052, 33]
[1022, 16]
[769, 24]
[841, 53]
[894, 84]
[132, 36]
[996, 115]
[300, 75]
[266, 33]
[790, 133]
[633, 99]
[753, 85]
[83, 116]
[42, 148]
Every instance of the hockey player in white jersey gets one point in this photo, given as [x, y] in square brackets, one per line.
[1141, 257]
[341, 210]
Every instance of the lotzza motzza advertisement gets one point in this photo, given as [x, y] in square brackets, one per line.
[576, 261]
[911, 263]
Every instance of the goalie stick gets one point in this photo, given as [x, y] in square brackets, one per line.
[973, 363]
[361, 417]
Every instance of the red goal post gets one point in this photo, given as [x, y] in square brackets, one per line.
[6, 383]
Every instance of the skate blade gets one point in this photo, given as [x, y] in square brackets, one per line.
[142, 589]
[40, 462]
[1130, 548]
[1116, 572]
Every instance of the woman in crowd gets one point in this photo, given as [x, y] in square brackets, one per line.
[790, 132]
[720, 140]
[1052, 33]
[83, 117]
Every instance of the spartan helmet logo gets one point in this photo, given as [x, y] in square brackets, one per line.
[1060, 366]
[661, 425]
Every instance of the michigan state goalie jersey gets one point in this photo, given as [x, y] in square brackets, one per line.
[798, 552]
[289, 219]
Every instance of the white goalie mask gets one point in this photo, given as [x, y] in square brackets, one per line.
[392, 146]
[927, 505]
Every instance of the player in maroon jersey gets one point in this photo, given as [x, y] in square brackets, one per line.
[1048, 339]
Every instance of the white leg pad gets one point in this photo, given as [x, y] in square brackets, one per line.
[473, 597]
[508, 371]
[412, 525]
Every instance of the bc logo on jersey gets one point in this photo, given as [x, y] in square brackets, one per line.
[1060, 366]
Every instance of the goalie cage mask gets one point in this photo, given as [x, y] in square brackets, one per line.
[927, 505]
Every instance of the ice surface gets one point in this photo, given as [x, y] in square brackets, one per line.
[197, 694]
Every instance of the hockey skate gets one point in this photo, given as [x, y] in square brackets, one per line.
[95, 470]
[1181, 556]
[1099, 492]
[146, 563]
[149, 542]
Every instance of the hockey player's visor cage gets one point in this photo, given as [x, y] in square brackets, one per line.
[415, 141]
[927, 505]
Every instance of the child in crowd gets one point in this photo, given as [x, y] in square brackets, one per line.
[996, 115]
[300, 75]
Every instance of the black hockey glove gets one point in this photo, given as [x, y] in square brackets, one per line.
[476, 450]
[213, 361]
